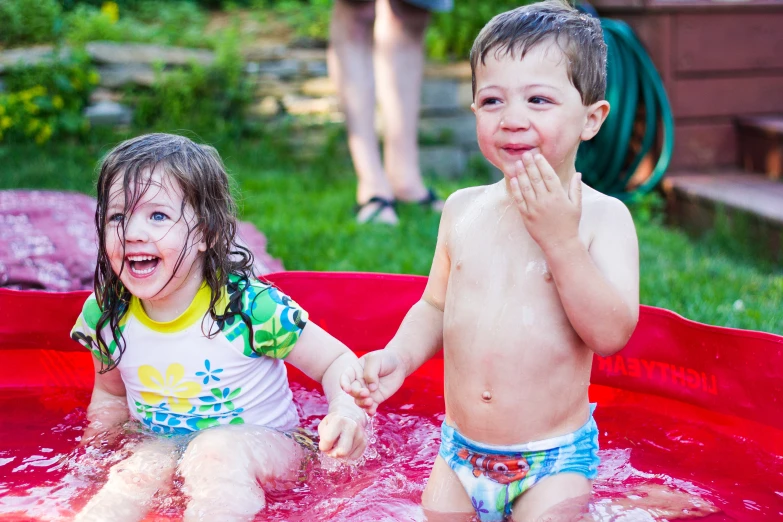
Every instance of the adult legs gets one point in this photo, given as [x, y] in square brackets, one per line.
[399, 70]
[132, 483]
[223, 469]
[350, 60]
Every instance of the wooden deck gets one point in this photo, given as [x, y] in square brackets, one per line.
[751, 193]
[694, 201]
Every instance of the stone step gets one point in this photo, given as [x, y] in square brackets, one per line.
[761, 144]
[750, 205]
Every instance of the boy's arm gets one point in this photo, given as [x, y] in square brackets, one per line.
[324, 359]
[108, 406]
[599, 288]
[419, 337]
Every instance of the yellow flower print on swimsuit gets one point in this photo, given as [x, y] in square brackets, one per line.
[193, 373]
[171, 388]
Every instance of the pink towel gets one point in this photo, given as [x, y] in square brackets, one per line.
[47, 241]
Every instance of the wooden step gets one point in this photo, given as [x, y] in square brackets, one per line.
[761, 144]
[752, 205]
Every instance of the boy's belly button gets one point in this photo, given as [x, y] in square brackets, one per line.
[486, 396]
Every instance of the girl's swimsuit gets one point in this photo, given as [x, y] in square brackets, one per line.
[179, 379]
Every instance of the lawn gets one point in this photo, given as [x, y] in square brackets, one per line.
[301, 198]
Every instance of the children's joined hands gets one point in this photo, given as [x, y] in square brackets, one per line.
[383, 373]
[551, 214]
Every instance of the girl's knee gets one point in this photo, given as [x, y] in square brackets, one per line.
[142, 473]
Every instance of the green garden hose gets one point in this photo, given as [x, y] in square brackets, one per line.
[636, 95]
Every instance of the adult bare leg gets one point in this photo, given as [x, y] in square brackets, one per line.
[350, 61]
[399, 71]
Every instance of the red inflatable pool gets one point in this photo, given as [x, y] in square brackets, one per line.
[694, 407]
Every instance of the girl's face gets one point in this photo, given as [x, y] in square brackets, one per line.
[145, 246]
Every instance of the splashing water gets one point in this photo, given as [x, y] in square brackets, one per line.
[654, 466]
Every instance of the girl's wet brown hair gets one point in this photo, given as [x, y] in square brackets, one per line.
[201, 176]
[579, 36]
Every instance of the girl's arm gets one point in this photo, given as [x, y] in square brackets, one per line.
[108, 406]
[324, 359]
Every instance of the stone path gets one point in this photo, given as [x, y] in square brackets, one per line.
[287, 80]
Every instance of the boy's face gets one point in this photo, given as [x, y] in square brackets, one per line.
[155, 235]
[530, 104]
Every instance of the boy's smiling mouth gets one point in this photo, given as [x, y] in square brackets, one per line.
[516, 149]
[141, 265]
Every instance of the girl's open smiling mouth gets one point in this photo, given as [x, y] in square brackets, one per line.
[142, 265]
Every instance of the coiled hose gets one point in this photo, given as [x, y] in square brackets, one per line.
[634, 90]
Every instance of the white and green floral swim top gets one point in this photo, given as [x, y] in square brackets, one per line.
[178, 380]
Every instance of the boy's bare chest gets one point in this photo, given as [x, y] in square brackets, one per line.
[493, 256]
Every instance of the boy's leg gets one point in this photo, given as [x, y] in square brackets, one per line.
[350, 61]
[223, 467]
[444, 498]
[561, 497]
[132, 483]
[399, 69]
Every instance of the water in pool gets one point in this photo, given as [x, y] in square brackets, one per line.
[649, 446]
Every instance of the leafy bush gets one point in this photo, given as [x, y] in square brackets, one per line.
[28, 21]
[47, 99]
[172, 23]
[451, 35]
[309, 19]
[211, 99]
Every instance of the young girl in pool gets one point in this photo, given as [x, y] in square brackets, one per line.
[186, 341]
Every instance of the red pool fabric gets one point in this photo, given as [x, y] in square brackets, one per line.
[736, 372]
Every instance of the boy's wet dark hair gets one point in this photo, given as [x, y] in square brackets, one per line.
[199, 173]
[579, 36]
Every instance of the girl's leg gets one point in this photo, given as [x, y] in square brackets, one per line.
[350, 60]
[132, 483]
[223, 469]
[399, 69]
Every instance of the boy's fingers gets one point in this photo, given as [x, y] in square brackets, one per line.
[534, 174]
[548, 174]
[516, 193]
[526, 189]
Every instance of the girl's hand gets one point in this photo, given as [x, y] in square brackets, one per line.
[551, 214]
[383, 373]
[342, 437]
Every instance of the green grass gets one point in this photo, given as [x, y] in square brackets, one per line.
[302, 200]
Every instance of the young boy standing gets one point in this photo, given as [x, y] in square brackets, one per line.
[531, 276]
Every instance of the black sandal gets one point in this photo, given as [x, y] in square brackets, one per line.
[428, 201]
[382, 203]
